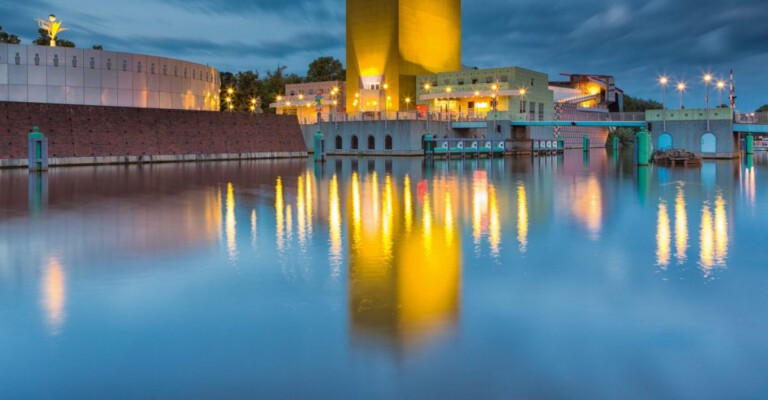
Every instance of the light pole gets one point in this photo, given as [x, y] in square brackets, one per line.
[384, 87]
[707, 81]
[407, 104]
[426, 87]
[523, 92]
[448, 92]
[720, 87]
[664, 81]
[681, 89]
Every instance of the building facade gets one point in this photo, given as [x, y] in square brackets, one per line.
[306, 100]
[59, 75]
[513, 93]
[390, 42]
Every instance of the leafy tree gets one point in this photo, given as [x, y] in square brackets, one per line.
[325, 69]
[8, 38]
[45, 40]
[97, 47]
[762, 109]
[632, 104]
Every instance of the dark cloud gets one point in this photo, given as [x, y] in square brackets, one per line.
[632, 39]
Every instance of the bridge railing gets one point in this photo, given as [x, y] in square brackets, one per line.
[470, 117]
[751, 118]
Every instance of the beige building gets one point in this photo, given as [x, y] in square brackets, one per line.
[511, 93]
[306, 100]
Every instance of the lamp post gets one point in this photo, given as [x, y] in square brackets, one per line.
[707, 81]
[427, 87]
[407, 104]
[664, 81]
[681, 89]
[523, 92]
[720, 86]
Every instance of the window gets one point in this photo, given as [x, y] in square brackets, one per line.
[125, 65]
[17, 59]
[474, 81]
[371, 142]
[152, 68]
[446, 82]
[37, 59]
[175, 71]
[338, 142]
[434, 83]
[460, 82]
[93, 63]
[488, 79]
[354, 143]
[311, 91]
[55, 60]
[74, 62]
[388, 142]
[504, 78]
[532, 109]
[138, 67]
[185, 73]
[293, 92]
[541, 111]
[533, 81]
[194, 74]
[109, 64]
[522, 106]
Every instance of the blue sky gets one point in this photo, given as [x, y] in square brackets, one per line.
[634, 40]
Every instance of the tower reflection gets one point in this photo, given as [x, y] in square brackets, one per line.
[403, 280]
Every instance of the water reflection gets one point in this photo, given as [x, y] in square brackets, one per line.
[587, 205]
[403, 281]
[231, 223]
[279, 216]
[681, 227]
[663, 236]
[522, 217]
[334, 225]
[54, 295]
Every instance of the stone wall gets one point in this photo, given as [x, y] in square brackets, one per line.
[95, 135]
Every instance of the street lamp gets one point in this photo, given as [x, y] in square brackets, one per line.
[681, 89]
[427, 87]
[407, 104]
[523, 92]
[707, 81]
[720, 86]
[664, 81]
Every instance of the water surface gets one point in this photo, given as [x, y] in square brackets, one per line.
[554, 277]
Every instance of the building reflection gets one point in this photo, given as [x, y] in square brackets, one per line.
[522, 217]
[54, 295]
[230, 226]
[587, 205]
[404, 268]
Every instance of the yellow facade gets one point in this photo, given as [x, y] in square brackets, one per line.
[390, 42]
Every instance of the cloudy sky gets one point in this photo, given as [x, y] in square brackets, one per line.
[634, 40]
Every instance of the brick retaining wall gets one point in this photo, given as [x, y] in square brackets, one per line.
[92, 134]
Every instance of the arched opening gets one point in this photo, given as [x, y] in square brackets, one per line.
[708, 143]
[338, 142]
[388, 142]
[354, 144]
[664, 141]
[423, 142]
[371, 142]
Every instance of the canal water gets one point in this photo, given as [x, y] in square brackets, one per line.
[554, 277]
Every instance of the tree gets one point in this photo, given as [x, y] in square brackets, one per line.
[763, 109]
[97, 47]
[8, 38]
[325, 69]
[632, 104]
[45, 40]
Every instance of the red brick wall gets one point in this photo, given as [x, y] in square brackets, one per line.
[88, 131]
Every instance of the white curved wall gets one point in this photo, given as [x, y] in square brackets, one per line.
[42, 74]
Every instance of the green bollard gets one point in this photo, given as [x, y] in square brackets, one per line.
[319, 147]
[750, 161]
[615, 143]
[37, 156]
[643, 183]
[560, 143]
[585, 143]
[643, 151]
[750, 144]
[428, 144]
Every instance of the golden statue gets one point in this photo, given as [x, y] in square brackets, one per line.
[51, 26]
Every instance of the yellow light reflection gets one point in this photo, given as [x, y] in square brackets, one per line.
[309, 181]
[448, 219]
[663, 237]
[721, 231]
[494, 226]
[408, 203]
[334, 222]
[427, 225]
[301, 216]
[279, 215]
[681, 227]
[522, 217]
[356, 212]
[230, 225]
[54, 295]
[253, 228]
[707, 240]
[288, 223]
[387, 221]
[479, 205]
[749, 185]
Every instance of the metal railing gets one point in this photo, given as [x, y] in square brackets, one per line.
[468, 117]
[751, 118]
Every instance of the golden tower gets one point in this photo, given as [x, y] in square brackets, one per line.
[390, 42]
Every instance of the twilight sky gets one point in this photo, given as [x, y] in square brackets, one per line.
[634, 40]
